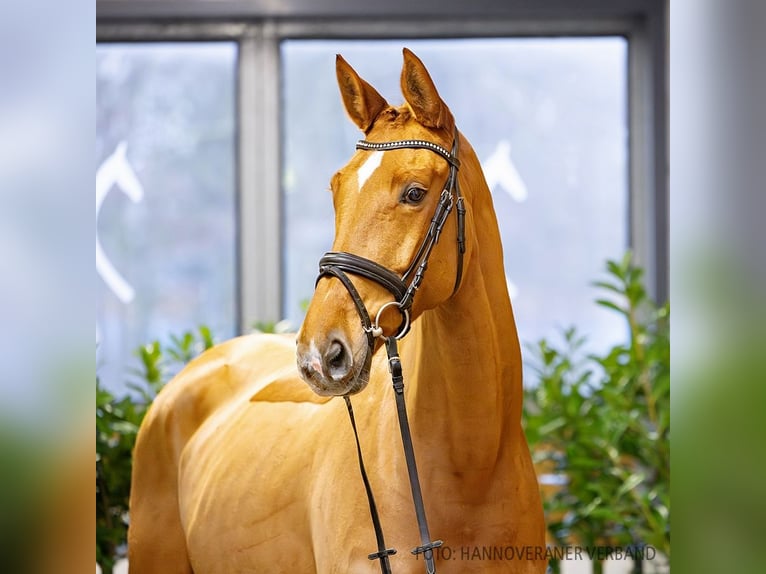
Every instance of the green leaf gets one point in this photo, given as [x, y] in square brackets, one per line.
[581, 463]
[609, 286]
[632, 482]
[611, 305]
[591, 506]
[207, 336]
[124, 427]
[552, 426]
[264, 326]
[615, 269]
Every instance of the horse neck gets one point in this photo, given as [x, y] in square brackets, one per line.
[463, 360]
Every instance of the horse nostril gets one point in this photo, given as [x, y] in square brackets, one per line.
[334, 353]
[337, 360]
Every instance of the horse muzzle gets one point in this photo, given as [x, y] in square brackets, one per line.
[333, 365]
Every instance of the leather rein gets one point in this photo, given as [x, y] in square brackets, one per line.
[403, 288]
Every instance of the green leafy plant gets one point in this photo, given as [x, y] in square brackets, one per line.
[117, 423]
[600, 423]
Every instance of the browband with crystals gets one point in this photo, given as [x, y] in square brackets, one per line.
[409, 144]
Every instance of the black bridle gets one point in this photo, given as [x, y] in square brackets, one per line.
[339, 265]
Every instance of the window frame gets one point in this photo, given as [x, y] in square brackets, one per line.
[258, 28]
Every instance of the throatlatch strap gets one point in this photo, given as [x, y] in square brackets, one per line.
[426, 545]
[383, 553]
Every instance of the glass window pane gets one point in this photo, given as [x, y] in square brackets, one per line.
[165, 195]
[547, 118]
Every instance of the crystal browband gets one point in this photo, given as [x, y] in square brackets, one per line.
[409, 144]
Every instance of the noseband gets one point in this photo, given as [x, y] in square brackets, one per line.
[339, 265]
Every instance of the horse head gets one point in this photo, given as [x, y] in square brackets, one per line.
[387, 199]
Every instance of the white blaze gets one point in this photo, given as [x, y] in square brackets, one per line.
[368, 168]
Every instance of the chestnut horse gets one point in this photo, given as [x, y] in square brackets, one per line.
[241, 466]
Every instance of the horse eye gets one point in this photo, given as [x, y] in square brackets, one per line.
[414, 195]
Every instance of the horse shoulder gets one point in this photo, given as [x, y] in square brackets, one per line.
[257, 366]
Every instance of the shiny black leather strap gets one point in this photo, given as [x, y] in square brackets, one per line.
[364, 316]
[397, 378]
[358, 265]
[455, 183]
[337, 264]
[420, 262]
[383, 553]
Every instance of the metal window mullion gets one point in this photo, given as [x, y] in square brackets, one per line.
[259, 167]
[659, 101]
[382, 28]
[647, 152]
[169, 31]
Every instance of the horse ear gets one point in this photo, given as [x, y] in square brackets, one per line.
[421, 95]
[363, 103]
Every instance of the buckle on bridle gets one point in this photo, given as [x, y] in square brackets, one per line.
[382, 554]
